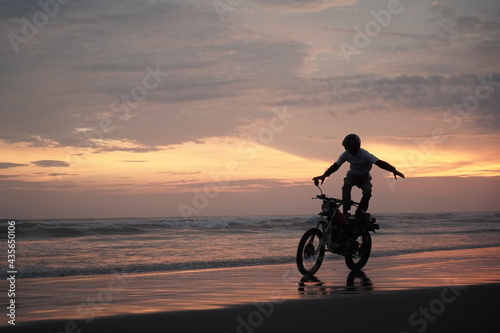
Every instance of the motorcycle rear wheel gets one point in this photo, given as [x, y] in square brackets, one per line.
[310, 253]
[358, 254]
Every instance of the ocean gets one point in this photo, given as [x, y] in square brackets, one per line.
[92, 247]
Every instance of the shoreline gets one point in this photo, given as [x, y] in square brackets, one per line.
[92, 298]
[470, 308]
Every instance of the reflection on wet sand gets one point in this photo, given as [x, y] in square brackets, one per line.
[356, 282]
[80, 296]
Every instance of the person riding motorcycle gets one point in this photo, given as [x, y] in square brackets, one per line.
[359, 173]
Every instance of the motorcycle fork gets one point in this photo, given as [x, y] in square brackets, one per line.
[328, 229]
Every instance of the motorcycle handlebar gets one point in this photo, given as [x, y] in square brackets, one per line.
[339, 201]
[323, 196]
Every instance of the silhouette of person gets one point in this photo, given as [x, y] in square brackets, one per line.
[359, 172]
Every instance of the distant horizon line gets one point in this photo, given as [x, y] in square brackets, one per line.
[226, 216]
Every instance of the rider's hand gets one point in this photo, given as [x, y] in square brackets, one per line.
[397, 173]
[322, 178]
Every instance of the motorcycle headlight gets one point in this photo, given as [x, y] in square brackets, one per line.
[326, 207]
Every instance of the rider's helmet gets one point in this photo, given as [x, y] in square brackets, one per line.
[352, 143]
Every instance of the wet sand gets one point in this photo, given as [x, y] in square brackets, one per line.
[446, 291]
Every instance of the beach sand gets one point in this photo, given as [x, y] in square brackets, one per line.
[445, 291]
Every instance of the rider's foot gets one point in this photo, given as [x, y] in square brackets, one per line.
[362, 214]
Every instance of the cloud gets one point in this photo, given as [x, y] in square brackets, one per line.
[17, 9]
[414, 92]
[107, 149]
[240, 185]
[222, 77]
[306, 6]
[6, 165]
[438, 9]
[7, 176]
[58, 93]
[50, 163]
[94, 53]
[478, 27]
[183, 173]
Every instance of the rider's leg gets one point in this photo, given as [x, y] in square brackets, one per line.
[366, 187]
[346, 193]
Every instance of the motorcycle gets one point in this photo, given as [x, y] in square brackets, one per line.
[346, 236]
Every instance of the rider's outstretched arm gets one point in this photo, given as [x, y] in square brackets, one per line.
[386, 166]
[334, 167]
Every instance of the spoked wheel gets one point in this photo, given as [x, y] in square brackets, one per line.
[357, 255]
[310, 252]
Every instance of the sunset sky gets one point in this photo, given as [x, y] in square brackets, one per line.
[230, 107]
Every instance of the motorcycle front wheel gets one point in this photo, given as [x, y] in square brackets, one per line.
[310, 252]
[359, 252]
